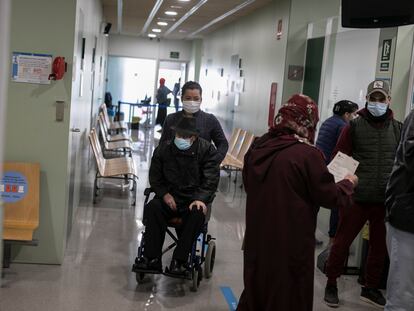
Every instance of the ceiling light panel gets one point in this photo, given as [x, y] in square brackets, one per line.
[186, 16]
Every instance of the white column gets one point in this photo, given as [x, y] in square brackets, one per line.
[5, 12]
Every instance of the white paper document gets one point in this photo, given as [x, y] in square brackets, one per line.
[342, 165]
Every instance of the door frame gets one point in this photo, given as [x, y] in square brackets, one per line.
[5, 11]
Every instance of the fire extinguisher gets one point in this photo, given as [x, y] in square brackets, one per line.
[59, 68]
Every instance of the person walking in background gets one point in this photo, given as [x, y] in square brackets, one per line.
[162, 101]
[371, 139]
[175, 92]
[343, 112]
[286, 181]
[399, 205]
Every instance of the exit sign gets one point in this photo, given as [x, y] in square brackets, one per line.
[175, 55]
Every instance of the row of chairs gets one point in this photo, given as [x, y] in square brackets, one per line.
[113, 153]
[239, 143]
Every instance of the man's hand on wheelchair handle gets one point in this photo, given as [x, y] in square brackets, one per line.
[198, 205]
[169, 200]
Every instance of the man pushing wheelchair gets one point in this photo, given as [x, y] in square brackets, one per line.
[184, 175]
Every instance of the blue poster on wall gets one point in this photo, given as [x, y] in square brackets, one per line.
[31, 68]
[13, 187]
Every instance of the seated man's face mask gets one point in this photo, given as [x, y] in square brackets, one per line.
[183, 143]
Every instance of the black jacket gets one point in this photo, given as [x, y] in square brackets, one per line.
[400, 189]
[187, 175]
[208, 125]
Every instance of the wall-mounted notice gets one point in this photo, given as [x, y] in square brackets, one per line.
[31, 68]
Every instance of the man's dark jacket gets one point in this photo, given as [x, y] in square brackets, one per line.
[187, 175]
[400, 189]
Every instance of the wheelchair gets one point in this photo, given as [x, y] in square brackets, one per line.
[202, 254]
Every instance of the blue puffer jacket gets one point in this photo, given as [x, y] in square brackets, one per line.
[329, 134]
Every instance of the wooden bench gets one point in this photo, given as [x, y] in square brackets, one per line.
[107, 135]
[19, 191]
[118, 126]
[240, 142]
[117, 168]
[117, 146]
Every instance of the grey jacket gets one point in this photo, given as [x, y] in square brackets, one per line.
[400, 189]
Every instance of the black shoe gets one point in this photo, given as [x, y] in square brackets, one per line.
[177, 267]
[331, 296]
[145, 264]
[372, 296]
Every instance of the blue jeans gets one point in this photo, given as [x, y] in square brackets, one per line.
[400, 285]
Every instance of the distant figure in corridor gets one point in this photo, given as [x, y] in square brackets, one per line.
[286, 181]
[162, 101]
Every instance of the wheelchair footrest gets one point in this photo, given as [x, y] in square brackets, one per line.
[186, 275]
[147, 271]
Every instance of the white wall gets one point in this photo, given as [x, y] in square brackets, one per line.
[253, 38]
[131, 46]
[353, 68]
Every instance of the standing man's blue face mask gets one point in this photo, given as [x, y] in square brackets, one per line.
[377, 109]
[183, 143]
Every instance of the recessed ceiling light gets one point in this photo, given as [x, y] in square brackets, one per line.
[182, 30]
[176, 7]
[151, 35]
[156, 30]
[162, 24]
[171, 13]
[184, 0]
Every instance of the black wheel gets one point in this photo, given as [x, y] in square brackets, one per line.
[210, 258]
[197, 277]
[139, 276]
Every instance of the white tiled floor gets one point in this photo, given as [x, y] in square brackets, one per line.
[96, 272]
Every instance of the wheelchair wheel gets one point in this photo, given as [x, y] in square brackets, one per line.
[210, 258]
[197, 277]
[139, 276]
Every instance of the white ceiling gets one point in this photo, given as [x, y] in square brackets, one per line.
[194, 18]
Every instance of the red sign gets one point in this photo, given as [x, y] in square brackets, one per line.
[272, 104]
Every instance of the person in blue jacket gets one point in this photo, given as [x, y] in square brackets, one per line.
[343, 112]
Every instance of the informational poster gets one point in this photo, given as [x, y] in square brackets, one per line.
[13, 187]
[31, 68]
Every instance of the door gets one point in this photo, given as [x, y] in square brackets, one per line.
[313, 67]
[130, 80]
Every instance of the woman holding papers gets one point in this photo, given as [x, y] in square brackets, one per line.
[286, 181]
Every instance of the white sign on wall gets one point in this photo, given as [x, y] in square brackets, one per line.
[31, 68]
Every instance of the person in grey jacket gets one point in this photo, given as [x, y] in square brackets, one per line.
[400, 223]
[207, 124]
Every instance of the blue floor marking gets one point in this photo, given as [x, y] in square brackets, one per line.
[229, 296]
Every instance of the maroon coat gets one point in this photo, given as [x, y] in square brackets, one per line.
[286, 181]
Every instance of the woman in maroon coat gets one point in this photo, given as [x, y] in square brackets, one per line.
[286, 181]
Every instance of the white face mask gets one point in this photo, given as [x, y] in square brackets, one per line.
[191, 106]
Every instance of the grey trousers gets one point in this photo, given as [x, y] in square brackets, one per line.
[400, 286]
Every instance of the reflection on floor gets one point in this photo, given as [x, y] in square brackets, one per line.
[96, 272]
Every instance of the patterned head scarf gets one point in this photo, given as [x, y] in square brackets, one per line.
[299, 114]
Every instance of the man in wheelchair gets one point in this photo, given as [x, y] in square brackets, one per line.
[184, 175]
